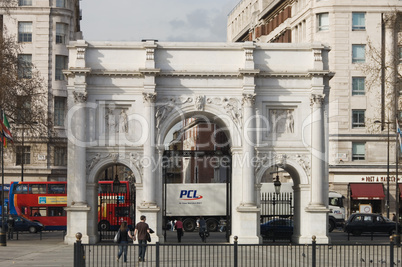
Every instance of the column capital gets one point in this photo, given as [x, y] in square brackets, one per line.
[248, 100]
[80, 97]
[149, 97]
[316, 99]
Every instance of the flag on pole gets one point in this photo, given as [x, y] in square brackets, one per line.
[399, 134]
[5, 126]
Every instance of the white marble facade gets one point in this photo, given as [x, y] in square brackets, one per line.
[123, 98]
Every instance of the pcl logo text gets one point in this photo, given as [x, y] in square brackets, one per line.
[189, 195]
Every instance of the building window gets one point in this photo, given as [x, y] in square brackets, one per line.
[25, 2]
[358, 151]
[323, 22]
[60, 3]
[59, 110]
[60, 156]
[358, 53]
[25, 32]
[61, 33]
[358, 21]
[23, 155]
[358, 85]
[61, 64]
[358, 118]
[23, 109]
[25, 66]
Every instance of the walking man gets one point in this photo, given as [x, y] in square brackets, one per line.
[141, 229]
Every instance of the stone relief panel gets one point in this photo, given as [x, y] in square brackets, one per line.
[232, 106]
[116, 120]
[281, 121]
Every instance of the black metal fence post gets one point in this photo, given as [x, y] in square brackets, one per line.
[235, 252]
[157, 254]
[313, 252]
[79, 255]
[391, 251]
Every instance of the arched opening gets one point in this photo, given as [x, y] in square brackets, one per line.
[277, 205]
[116, 196]
[197, 176]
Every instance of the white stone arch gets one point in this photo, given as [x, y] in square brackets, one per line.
[296, 171]
[212, 112]
[106, 162]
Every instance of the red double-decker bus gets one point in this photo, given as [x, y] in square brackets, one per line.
[45, 202]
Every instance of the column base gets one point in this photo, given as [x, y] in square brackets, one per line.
[77, 218]
[151, 210]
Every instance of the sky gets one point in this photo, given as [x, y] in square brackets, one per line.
[163, 20]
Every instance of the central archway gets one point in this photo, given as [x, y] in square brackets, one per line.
[196, 175]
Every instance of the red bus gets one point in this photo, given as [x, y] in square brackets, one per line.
[44, 202]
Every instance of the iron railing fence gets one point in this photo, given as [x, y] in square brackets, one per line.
[239, 255]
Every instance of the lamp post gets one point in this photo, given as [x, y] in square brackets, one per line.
[386, 122]
[277, 187]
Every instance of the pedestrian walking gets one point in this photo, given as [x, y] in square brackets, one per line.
[202, 226]
[142, 230]
[179, 229]
[123, 241]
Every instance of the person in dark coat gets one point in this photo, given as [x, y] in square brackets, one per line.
[10, 224]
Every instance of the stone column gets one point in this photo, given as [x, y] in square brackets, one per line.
[79, 123]
[249, 198]
[317, 147]
[391, 63]
[149, 152]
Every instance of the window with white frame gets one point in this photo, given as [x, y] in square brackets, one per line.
[59, 110]
[323, 21]
[358, 85]
[25, 32]
[25, 2]
[60, 3]
[358, 151]
[25, 66]
[358, 53]
[61, 33]
[23, 155]
[61, 64]
[60, 156]
[358, 21]
[358, 119]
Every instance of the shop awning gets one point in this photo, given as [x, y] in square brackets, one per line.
[367, 191]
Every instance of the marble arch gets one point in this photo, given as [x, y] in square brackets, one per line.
[125, 97]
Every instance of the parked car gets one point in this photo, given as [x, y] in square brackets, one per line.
[277, 228]
[359, 223]
[22, 224]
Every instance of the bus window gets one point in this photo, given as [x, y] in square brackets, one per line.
[21, 189]
[38, 211]
[122, 211]
[122, 188]
[105, 188]
[56, 211]
[37, 189]
[56, 189]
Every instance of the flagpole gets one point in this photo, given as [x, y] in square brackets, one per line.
[3, 239]
[397, 189]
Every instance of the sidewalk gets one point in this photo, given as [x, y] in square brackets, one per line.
[30, 251]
